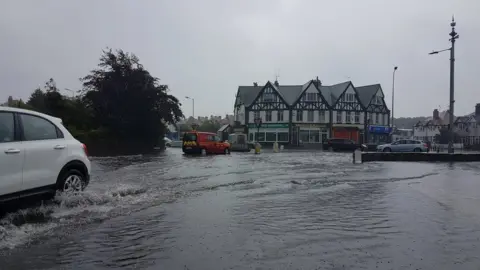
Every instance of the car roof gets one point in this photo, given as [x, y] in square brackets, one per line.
[202, 132]
[18, 110]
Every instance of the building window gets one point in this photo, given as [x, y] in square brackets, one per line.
[299, 115]
[321, 116]
[357, 117]
[268, 116]
[339, 117]
[369, 119]
[282, 136]
[374, 120]
[279, 116]
[348, 118]
[348, 97]
[310, 116]
[256, 115]
[380, 119]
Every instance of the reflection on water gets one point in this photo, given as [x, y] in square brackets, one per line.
[289, 210]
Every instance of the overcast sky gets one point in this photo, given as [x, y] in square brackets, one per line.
[205, 49]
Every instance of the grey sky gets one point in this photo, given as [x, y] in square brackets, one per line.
[205, 49]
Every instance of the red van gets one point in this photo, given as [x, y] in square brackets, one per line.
[195, 142]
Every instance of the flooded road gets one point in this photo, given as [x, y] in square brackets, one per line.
[289, 210]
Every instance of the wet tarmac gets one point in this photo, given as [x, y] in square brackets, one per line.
[289, 210]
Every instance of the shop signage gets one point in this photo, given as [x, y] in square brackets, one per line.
[379, 129]
[311, 125]
[270, 125]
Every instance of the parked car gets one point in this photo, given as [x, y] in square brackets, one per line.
[168, 142]
[404, 146]
[342, 145]
[38, 156]
[204, 143]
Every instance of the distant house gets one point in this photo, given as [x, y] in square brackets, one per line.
[428, 129]
[466, 127]
[311, 113]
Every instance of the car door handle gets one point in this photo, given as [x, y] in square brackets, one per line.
[12, 151]
[59, 147]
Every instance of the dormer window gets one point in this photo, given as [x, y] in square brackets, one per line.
[268, 97]
[348, 97]
[311, 97]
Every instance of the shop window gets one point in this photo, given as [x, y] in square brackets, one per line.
[304, 136]
[282, 136]
[271, 136]
[250, 137]
[260, 136]
[314, 136]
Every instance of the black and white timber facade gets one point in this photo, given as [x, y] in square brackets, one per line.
[311, 113]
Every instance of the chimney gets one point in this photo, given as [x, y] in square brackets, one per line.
[276, 83]
[436, 114]
[255, 84]
[317, 82]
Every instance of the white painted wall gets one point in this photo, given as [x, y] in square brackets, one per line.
[251, 117]
[240, 114]
[344, 117]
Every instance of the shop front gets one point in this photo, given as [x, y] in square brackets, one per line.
[379, 134]
[268, 133]
[311, 133]
[349, 132]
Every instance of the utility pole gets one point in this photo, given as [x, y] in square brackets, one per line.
[454, 36]
[393, 92]
[193, 106]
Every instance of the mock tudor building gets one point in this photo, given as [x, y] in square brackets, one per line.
[311, 113]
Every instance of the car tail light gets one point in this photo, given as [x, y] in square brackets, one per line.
[85, 149]
[425, 145]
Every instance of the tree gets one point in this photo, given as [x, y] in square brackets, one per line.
[127, 101]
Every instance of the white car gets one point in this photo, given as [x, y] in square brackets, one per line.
[38, 155]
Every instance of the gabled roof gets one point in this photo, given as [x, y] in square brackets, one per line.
[247, 94]
[332, 93]
[367, 92]
[289, 93]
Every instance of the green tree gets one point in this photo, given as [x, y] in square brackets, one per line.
[127, 101]
[209, 126]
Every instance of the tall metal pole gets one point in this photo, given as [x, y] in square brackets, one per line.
[393, 93]
[193, 107]
[454, 36]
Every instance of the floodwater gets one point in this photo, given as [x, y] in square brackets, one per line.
[289, 210]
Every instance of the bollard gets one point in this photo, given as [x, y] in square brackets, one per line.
[275, 147]
[281, 147]
[257, 148]
[357, 156]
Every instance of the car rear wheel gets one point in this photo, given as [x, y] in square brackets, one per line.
[72, 181]
[387, 150]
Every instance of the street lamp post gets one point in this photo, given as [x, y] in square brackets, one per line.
[193, 105]
[454, 36]
[258, 124]
[393, 91]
